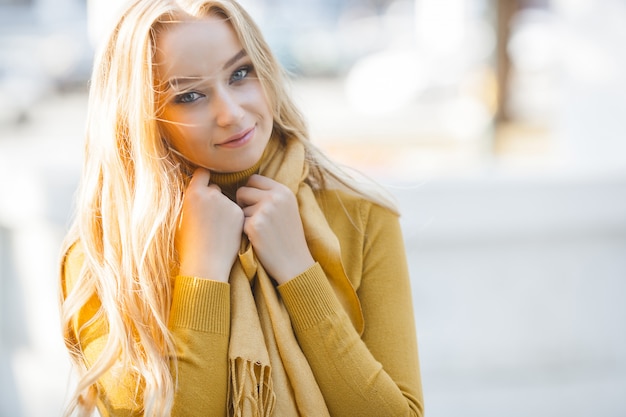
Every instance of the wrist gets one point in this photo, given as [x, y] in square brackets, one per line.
[294, 268]
[204, 272]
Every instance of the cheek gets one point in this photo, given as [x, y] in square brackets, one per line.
[268, 103]
[176, 133]
[256, 101]
[189, 136]
[263, 106]
[185, 125]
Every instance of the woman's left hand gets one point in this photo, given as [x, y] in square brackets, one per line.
[273, 226]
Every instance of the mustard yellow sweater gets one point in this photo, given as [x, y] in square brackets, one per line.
[374, 375]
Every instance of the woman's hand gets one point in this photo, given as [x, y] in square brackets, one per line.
[273, 225]
[209, 233]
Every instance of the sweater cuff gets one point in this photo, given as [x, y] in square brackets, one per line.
[200, 304]
[309, 298]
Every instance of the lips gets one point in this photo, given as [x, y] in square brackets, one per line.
[238, 139]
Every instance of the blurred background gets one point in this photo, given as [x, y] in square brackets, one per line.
[499, 126]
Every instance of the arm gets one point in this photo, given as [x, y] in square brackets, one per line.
[377, 374]
[200, 326]
[207, 241]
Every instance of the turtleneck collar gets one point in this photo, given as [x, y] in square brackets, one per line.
[229, 182]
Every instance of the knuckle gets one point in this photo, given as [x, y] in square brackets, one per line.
[248, 230]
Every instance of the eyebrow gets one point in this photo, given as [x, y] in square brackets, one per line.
[235, 58]
[176, 81]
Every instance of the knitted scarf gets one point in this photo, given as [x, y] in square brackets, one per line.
[269, 374]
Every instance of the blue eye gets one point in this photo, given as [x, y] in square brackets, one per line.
[188, 97]
[240, 73]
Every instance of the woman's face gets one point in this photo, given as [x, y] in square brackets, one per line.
[214, 110]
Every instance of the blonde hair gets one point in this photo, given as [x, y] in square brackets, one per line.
[130, 198]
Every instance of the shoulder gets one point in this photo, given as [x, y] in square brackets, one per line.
[342, 206]
[362, 227]
[357, 222]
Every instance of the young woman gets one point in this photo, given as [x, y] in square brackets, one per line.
[219, 264]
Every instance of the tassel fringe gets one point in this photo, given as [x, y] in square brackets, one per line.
[252, 389]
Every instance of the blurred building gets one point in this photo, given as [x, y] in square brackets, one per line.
[43, 49]
[499, 126]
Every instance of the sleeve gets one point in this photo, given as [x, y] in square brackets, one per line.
[378, 373]
[200, 325]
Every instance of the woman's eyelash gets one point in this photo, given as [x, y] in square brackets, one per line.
[191, 96]
[241, 73]
[187, 97]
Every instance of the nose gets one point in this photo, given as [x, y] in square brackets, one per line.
[226, 108]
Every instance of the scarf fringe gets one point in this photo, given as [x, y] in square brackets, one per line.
[252, 389]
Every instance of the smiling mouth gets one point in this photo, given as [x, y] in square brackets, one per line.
[239, 139]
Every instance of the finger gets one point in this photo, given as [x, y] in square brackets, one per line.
[248, 196]
[215, 187]
[261, 182]
[200, 177]
[249, 211]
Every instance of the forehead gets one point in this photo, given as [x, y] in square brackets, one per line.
[195, 47]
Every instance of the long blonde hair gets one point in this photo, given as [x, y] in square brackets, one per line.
[130, 198]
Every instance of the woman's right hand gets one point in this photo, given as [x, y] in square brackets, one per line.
[209, 231]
